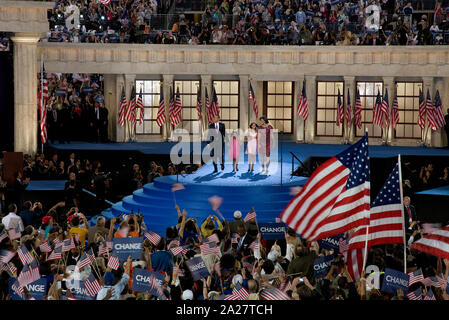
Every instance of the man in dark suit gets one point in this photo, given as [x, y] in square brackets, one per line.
[52, 123]
[245, 239]
[103, 123]
[410, 218]
[446, 127]
[220, 128]
[64, 122]
[94, 122]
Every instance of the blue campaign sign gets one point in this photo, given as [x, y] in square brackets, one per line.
[394, 280]
[125, 247]
[38, 289]
[272, 231]
[197, 268]
[60, 92]
[88, 90]
[331, 243]
[322, 265]
[79, 291]
[141, 280]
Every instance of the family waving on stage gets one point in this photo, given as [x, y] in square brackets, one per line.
[260, 139]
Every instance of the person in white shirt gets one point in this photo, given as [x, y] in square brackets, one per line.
[12, 220]
[111, 291]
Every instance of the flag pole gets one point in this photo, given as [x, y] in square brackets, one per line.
[402, 212]
[42, 99]
[365, 255]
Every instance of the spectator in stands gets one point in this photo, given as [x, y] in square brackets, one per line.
[12, 220]
[32, 213]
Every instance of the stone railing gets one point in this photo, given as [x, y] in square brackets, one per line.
[24, 16]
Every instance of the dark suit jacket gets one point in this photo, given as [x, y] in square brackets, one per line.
[406, 216]
[221, 128]
[446, 126]
[246, 242]
[103, 117]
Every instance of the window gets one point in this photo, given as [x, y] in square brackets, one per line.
[326, 108]
[228, 102]
[278, 104]
[408, 104]
[368, 93]
[188, 93]
[150, 98]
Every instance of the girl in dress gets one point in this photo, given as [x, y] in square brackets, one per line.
[234, 150]
[265, 138]
[252, 146]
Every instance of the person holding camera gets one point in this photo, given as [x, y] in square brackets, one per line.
[189, 229]
[31, 214]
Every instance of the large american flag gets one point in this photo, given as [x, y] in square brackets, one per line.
[340, 112]
[131, 110]
[209, 113]
[303, 105]
[43, 99]
[415, 295]
[358, 111]
[139, 107]
[438, 111]
[429, 295]
[272, 293]
[209, 248]
[175, 108]
[215, 108]
[336, 198]
[153, 237]
[395, 112]
[430, 112]
[199, 106]
[349, 110]
[421, 110]
[24, 255]
[113, 262]
[435, 243]
[415, 276]
[122, 109]
[384, 110]
[160, 120]
[385, 219]
[250, 216]
[92, 285]
[377, 114]
[252, 98]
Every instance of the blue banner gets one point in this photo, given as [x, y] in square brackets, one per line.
[197, 268]
[79, 291]
[394, 280]
[125, 247]
[322, 265]
[141, 280]
[331, 243]
[60, 92]
[88, 89]
[38, 289]
[272, 231]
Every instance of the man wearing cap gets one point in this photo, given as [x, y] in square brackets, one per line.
[233, 225]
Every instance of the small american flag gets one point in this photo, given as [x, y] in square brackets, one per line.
[24, 255]
[421, 110]
[303, 106]
[177, 186]
[441, 282]
[34, 270]
[45, 247]
[213, 238]
[6, 256]
[252, 98]
[57, 242]
[113, 262]
[177, 250]
[295, 190]
[25, 276]
[209, 248]
[199, 105]
[91, 255]
[139, 107]
[235, 238]
[254, 245]
[11, 267]
[429, 295]
[68, 245]
[84, 261]
[250, 216]
[3, 235]
[415, 295]
[272, 293]
[340, 113]
[287, 285]
[105, 2]
[153, 237]
[17, 288]
[56, 254]
[358, 111]
[395, 112]
[160, 120]
[240, 291]
[14, 233]
[232, 297]
[122, 109]
[430, 281]
[174, 243]
[415, 276]
[277, 220]
[343, 245]
[92, 285]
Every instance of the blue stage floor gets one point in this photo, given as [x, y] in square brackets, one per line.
[46, 185]
[441, 191]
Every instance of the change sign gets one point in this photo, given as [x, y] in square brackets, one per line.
[197, 268]
[322, 265]
[38, 289]
[331, 243]
[141, 280]
[124, 247]
[272, 231]
[394, 280]
[79, 291]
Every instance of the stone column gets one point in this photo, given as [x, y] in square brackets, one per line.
[428, 84]
[246, 113]
[388, 136]
[111, 104]
[167, 84]
[25, 93]
[437, 135]
[349, 133]
[298, 122]
[206, 83]
[311, 100]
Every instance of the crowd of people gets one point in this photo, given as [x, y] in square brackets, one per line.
[261, 22]
[75, 108]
